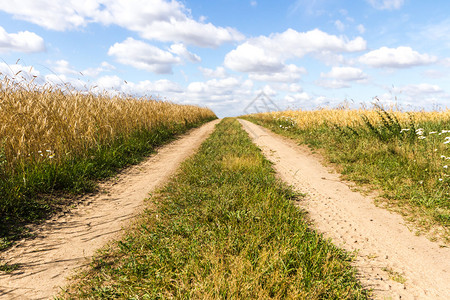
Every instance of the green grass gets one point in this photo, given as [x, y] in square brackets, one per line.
[36, 191]
[409, 167]
[224, 227]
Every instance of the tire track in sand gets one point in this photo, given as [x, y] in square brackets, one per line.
[67, 242]
[383, 243]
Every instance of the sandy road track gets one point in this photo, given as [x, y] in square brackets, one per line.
[385, 247]
[67, 242]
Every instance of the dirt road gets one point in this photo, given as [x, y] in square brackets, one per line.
[67, 242]
[386, 249]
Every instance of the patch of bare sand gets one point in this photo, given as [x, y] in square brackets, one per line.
[68, 242]
[391, 260]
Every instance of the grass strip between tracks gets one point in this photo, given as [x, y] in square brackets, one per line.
[224, 227]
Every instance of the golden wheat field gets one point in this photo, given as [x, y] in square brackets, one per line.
[48, 123]
[351, 117]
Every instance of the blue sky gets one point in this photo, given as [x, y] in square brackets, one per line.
[303, 54]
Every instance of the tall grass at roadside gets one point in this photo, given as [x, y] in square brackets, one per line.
[405, 154]
[224, 227]
[53, 139]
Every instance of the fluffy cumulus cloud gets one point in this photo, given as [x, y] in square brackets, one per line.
[162, 20]
[333, 83]
[217, 87]
[180, 50]
[289, 73]
[418, 89]
[266, 55]
[298, 97]
[253, 58]
[415, 96]
[23, 41]
[143, 56]
[18, 71]
[345, 74]
[361, 29]
[115, 85]
[339, 77]
[386, 4]
[29, 76]
[401, 57]
[219, 72]
[339, 25]
[63, 67]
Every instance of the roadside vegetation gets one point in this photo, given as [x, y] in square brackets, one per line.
[57, 142]
[224, 227]
[406, 156]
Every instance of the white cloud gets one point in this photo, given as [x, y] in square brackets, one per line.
[401, 57]
[435, 74]
[437, 33]
[115, 85]
[63, 67]
[289, 73]
[143, 56]
[168, 21]
[446, 62]
[332, 83]
[155, 89]
[180, 50]
[252, 58]
[339, 25]
[253, 3]
[229, 95]
[339, 77]
[331, 59]
[55, 14]
[23, 41]
[217, 86]
[93, 72]
[268, 91]
[361, 29]
[418, 89]
[295, 88]
[298, 97]
[416, 96]
[268, 54]
[386, 4]
[18, 71]
[345, 74]
[108, 83]
[219, 72]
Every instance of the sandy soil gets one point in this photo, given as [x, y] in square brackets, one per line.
[67, 242]
[385, 247]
